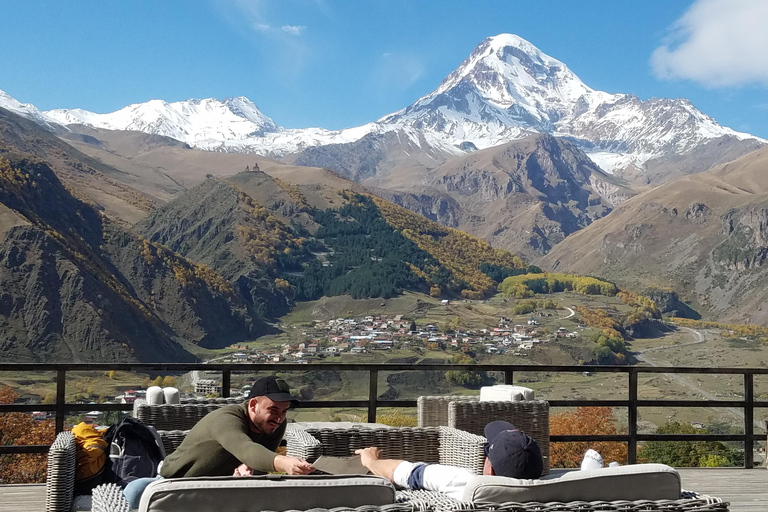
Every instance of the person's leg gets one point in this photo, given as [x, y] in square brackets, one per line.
[135, 489]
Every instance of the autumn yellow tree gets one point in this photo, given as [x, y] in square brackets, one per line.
[18, 428]
[584, 421]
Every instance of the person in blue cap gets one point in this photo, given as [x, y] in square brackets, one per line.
[509, 452]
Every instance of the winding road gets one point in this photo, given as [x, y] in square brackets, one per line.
[683, 379]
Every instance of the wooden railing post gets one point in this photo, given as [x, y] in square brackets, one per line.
[632, 418]
[509, 376]
[749, 404]
[61, 398]
[373, 393]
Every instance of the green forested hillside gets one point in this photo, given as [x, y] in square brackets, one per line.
[377, 249]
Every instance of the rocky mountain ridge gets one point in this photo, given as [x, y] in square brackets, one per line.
[76, 287]
[703, 235]
[505, 90]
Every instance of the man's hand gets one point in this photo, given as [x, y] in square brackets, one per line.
[292, 465]
[368, 456]
[243, 470]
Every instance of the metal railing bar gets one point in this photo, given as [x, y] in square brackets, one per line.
[373, 393]
[254, 367]
[632, 417]
[61, 408]
[749, 394]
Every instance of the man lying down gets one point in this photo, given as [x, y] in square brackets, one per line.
[509, 452]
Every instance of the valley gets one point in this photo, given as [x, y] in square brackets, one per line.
[215, 227]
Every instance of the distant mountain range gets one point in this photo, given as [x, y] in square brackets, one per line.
[512, 148]
[205, 270]
[507, 89]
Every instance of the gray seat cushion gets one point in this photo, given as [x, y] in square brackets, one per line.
[634, 482]
[265, 492]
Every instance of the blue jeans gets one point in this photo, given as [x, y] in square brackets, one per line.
[135, 489]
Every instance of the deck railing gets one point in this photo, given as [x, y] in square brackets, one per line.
[632, 403]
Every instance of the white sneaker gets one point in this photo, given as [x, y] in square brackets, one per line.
[614, 464]
[592, 460]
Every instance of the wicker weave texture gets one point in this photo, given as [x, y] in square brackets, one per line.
[409, 443]
[60, 482]
[432, 411]
[181, 416]
[172, 439]
[109, 498]
[299, 443]
[531, 416]
[462, 449]
[682, 505]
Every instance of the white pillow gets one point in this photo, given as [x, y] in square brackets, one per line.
[155, 395]
[171, 395]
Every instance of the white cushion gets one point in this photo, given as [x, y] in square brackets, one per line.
[171, 395]
[634, 482]
[265, 492]
[155, 395]
[505, 393]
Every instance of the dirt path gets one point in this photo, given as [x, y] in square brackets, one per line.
[683, 379]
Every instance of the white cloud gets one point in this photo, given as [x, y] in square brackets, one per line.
[717, 43]
[294, 30]
[262, 27]
[397, 71]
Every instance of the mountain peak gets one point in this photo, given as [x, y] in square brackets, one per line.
[513, 40]
[193, 121]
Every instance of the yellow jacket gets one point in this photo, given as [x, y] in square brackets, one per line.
[91, 451]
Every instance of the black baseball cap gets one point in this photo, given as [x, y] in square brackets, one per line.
[512, 452]
[273, 388]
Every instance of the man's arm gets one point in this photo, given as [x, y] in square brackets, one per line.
[450, 480]
[232, 434]
[371, 458]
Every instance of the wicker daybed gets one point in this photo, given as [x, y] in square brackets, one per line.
[452, 447]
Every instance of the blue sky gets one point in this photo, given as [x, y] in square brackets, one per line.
[342, 63]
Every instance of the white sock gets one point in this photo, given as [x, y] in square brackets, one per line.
[592, 460]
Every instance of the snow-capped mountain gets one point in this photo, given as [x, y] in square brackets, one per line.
[24, 110]
[505, 90]
[508, 88]
[197, 122]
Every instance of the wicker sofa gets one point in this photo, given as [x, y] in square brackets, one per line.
[471, 415]
[446, 444]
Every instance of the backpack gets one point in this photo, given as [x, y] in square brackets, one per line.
[135, 451]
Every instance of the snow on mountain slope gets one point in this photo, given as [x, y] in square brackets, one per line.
[23, 109]
[505, 90]
[197, 122]
[508, 88]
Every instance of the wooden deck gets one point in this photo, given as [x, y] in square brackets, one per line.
[745, 489]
